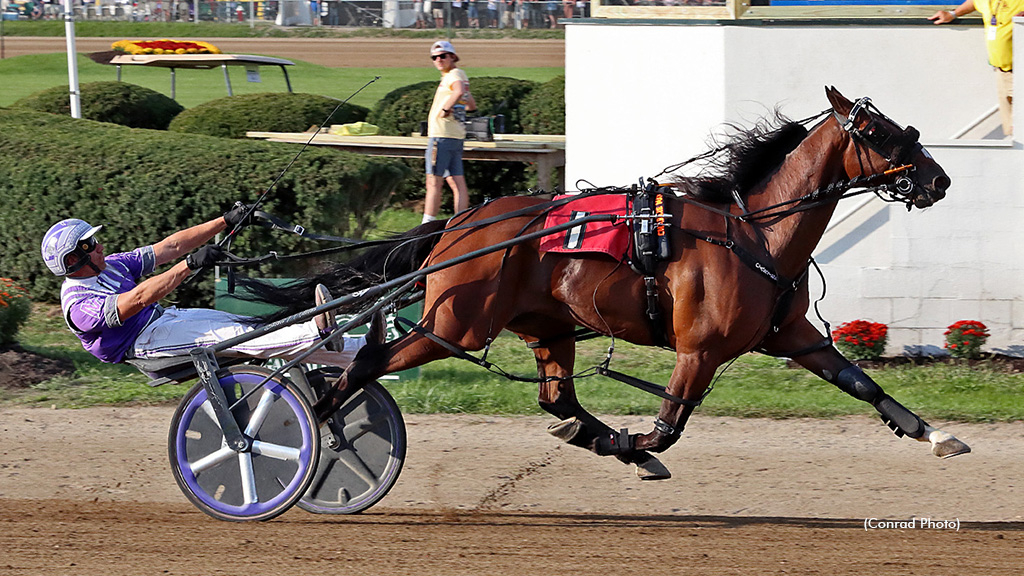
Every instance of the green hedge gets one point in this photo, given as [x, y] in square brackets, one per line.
[400, 112]
[143, 185]
[113, 102]
[233, 116]
[543, 110]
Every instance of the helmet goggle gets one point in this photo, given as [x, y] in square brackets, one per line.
[81, 252]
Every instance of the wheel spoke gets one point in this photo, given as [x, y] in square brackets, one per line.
[356, 464]
[321, 475]
[211, 460]
[248, 477]
[355, 430]
[208, 410]
[276, 451]
[260, 413]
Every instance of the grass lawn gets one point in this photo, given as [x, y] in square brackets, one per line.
[25, 75]
[754, 386]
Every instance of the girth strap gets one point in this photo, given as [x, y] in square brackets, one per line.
[654, 312]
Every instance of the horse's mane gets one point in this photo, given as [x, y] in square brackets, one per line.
[744, 159]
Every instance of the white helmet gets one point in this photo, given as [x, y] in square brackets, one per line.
[71, 236]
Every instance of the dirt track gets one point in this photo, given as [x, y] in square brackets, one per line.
[343, 52]
[90, 492]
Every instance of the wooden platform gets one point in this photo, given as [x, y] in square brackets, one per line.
[546, 151]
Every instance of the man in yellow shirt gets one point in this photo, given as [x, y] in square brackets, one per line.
[446, 132]
[998, 17]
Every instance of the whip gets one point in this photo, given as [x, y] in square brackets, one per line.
[255, 205]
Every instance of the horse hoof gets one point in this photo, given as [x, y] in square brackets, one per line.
[650, 468]
[945, 445]
[567, 429]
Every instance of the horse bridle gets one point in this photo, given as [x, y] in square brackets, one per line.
[897, 148]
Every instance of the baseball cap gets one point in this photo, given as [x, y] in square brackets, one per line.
[442, 46]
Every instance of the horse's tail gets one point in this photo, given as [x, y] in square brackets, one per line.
[395, 257]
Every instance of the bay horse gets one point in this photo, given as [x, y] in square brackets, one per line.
[741, 243]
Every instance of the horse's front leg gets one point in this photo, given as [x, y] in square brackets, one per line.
[827, 363]
[557, 395]
[691, 377]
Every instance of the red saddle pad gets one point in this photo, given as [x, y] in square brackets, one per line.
[601, 237]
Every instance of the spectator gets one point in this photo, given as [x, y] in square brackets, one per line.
[551, 9]
[458, 14]
[438, 11]
[417, 7]
[474, 14]
[512, 13]
[445, 131]
[492, 13]
[998, 18]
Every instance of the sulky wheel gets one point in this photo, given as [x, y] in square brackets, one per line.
[262, 481]
[362, 450]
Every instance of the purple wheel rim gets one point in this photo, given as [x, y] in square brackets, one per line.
[290, 490]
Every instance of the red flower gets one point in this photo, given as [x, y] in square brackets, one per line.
[861, 338]
[965, 338]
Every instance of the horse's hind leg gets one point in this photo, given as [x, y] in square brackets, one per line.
[557, 395]
[828, 364]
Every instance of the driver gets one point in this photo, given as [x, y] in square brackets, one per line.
[116, 315]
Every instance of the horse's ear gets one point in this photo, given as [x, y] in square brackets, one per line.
[839, 102]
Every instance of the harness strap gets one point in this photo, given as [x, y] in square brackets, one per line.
[646, 386]
[277, 223]
[786, 301]
[578, 335]
[766, 270]
[455, 350]
[654, 312]
[820, 345]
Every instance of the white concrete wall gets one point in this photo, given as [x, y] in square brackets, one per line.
[635, 100]
[641, 97]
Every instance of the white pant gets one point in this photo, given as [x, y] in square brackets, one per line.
[179, 330]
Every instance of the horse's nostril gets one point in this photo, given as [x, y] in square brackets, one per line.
[941, 183]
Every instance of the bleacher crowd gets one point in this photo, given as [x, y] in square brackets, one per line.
[380, 13]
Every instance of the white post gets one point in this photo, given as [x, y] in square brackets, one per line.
[195, 10]
[69, 33]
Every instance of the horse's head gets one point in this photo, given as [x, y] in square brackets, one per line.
[881, 147]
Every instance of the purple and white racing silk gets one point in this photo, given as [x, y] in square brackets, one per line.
[90, 305]
[90, 309]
